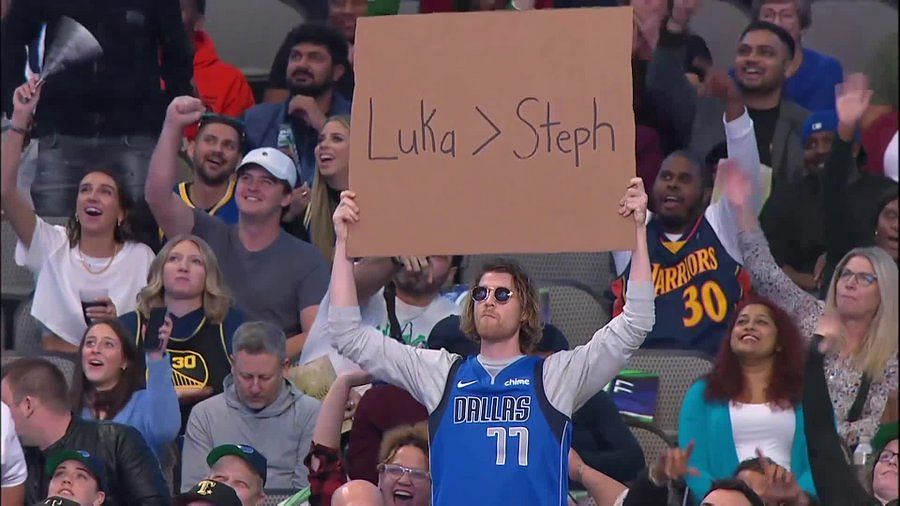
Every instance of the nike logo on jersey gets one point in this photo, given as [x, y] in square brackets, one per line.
[464, 384]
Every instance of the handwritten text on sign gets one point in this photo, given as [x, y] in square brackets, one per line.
[492, 132]
[541, 130]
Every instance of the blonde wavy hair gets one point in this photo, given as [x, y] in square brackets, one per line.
[531, 330]
[217, 300]
[319, 212]
[880, 342]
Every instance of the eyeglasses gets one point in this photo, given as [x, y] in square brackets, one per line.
[396, 472]
[887, 456]
[863, 278]
[501, 294]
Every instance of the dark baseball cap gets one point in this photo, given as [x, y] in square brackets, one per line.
[213, 492]
[93, 464]
[57, 501]
[250, 455]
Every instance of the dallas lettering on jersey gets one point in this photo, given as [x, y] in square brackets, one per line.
[667, 279]
[505, 408]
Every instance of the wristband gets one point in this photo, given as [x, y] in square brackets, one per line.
[18, 130]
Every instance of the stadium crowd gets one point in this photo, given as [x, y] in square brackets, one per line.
[204, 337]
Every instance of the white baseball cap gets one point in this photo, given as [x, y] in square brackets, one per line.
[274, 161]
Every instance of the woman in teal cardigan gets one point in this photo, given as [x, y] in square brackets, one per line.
[750, 401]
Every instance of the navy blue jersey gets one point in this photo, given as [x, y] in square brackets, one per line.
[498, 441]
[697, 285]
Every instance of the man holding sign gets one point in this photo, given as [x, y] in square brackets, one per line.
[501, 417]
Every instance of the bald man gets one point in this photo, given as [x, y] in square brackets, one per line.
[357, 493]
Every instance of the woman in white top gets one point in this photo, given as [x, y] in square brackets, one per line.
[750, 401]
[92, 252]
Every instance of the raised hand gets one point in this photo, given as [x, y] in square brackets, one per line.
[851, 101]
[25, 102]
[347, 212]
[673, 465]
[720, 85]
[165, 332]
[184, 111]
[634, 202]
[781, 484]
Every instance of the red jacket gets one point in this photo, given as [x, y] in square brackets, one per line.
[222, 86]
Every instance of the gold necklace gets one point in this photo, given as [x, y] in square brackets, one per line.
[87, 266]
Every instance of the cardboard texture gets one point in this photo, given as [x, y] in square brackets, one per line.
[492, 132]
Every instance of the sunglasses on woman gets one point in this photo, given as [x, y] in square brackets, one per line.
[501, 294]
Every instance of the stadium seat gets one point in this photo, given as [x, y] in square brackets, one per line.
[276, 495]
[26, 331]
[863, 24]
[652, 439]
[576, 313]
[720, 23]
[17, 282]
[64, 364]
[677, 371]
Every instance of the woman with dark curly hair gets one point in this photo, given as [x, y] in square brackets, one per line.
[750, 402]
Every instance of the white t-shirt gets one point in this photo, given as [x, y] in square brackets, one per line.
[891, 157]
[61, 274]
[416, 323]
[759, 426]
[12, 460]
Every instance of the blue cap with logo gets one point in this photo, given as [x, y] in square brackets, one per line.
[248, 453]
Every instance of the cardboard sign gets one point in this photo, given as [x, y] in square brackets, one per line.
[492, 132]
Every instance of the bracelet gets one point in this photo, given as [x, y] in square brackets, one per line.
[18, 130]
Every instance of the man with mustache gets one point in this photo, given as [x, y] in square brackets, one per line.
[317, 59]
[761, 67]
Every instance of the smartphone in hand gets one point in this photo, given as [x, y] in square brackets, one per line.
[151, 337]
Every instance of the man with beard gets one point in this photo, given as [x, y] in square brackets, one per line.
[500, 421]
[400, 296]
[694, 253]
[317, 58]
[214, 154]
[762, 65]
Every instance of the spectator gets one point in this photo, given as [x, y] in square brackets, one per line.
[109, 383]
[208, 493]
[35, 391]
[357, 492]
[107, 112]
[12, 462]
[884, 472]
[214, 154]
[186, 283]
[77, 476]
[652, 488]
[94, 250]
[257, 403]
[332, 177]
[690, 236]
[242, 468]
[856, 363]
[813, 75]
[506, 322]
[750, 401]
[222, 86]
[402, 460]
[761, 68]
[879, 140]
[864, 216]
[775, 485]
[290, 275]
[316, 60]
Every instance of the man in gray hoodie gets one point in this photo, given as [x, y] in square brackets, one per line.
[259, 407]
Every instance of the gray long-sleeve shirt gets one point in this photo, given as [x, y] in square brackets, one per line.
[570, 377]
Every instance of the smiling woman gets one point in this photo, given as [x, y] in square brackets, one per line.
[94, 250]
[332, 177]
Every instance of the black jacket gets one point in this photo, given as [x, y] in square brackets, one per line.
[132, 472]
[143, 41]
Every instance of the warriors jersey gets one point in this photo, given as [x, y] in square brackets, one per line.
[698, 284]
[226, 208]
[497, 440]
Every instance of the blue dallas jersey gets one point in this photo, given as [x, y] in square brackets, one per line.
[499, 441]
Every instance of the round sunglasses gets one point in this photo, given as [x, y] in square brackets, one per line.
[501, 294]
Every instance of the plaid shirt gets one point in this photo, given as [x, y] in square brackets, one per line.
[326, 473]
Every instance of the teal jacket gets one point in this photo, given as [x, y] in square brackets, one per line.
[708, 424]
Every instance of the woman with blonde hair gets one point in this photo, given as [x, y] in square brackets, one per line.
[332, 177]
[186, 285]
